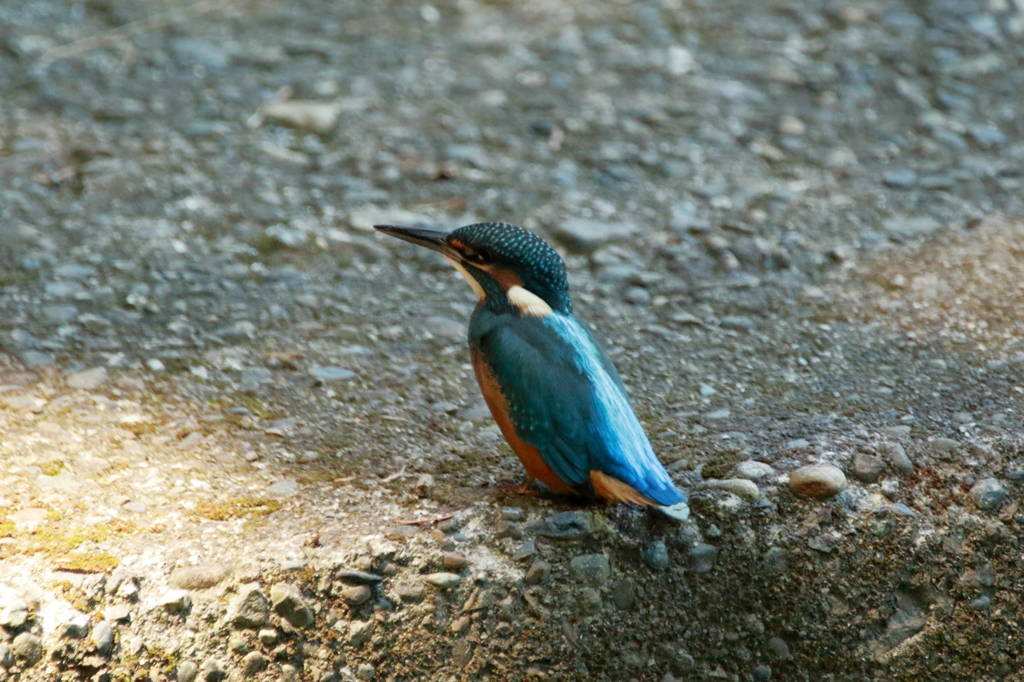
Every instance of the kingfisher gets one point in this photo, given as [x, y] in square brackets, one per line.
[552, 390]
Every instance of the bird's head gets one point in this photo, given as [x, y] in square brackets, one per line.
[507, 266]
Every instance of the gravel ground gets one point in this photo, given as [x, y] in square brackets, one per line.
[239, 434]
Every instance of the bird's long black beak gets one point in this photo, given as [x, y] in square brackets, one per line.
[422, 236]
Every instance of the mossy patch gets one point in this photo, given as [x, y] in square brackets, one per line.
[237, 508]
[87, 562]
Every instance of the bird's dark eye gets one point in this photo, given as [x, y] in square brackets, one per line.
[482, 257]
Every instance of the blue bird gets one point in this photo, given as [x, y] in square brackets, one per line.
[553, 392]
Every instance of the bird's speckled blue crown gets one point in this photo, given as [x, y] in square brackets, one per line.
[539, 266]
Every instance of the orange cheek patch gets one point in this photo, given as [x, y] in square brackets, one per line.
[506, 278]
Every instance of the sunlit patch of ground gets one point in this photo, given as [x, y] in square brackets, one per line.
[966, 286]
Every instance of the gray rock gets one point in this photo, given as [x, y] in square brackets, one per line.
[175, 601]
[637, 296]
[212, 670]
[817, 481]
[325, 375]
[943, 445]
[525, 551]
[462, 652]
[702, 558]
[365, 672]
[13, 610]
[775, 560]
[317, 117]
[6, 655]
[445, 581]
[624, 594]
[267, 637]
[592, 569]
[740, 323]
[904, 227]
[249, 608]
[199, 577]
[32, 359]
[754, 470]
[252, 663]
[867, 468]
[28, 648]
[989, 494]
[187, 672]
[89, 379]
[539, 572]
[586, 234]
[741, 487]
[987, 135]
[410, 592]
[103, 637]
[360, 632]
[564, 525]
[900, 179]
[762, 673]
[357, 595]
[898, 458]
[283, 488]
[779, 647]
[590, 601]
[359, 577]
[288, 603]
[901, 431]
[656, 556]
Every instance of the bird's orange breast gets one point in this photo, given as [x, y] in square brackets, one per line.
[536, 467]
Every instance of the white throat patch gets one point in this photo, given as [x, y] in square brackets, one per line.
[477, 289]
[528, 303]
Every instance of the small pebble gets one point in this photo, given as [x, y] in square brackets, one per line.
[656, 556]
[356, 595]
[762, 673]
[443, 580]
[943, 445]
[702, 558]
[867, 468]
[592, 569]
[817, 481]
[410, 592]
[775, 560]
[27, 647]
[779, 648]
[525, 551]
[898, 458]
[187, 672]
[989, 494]
[754, 470]
[103, 637]
[360, 632]
[624, 594]
[252, 663]
[740, 487]
[288, 603]
[539, 572]
[454, 561]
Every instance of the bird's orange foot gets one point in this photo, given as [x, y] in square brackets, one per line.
[520, 489]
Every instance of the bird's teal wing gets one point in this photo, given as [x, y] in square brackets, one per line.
[565, 398]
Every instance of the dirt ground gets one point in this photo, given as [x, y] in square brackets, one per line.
[239, 434]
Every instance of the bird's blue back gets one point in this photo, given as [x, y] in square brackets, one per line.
[566, 399]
